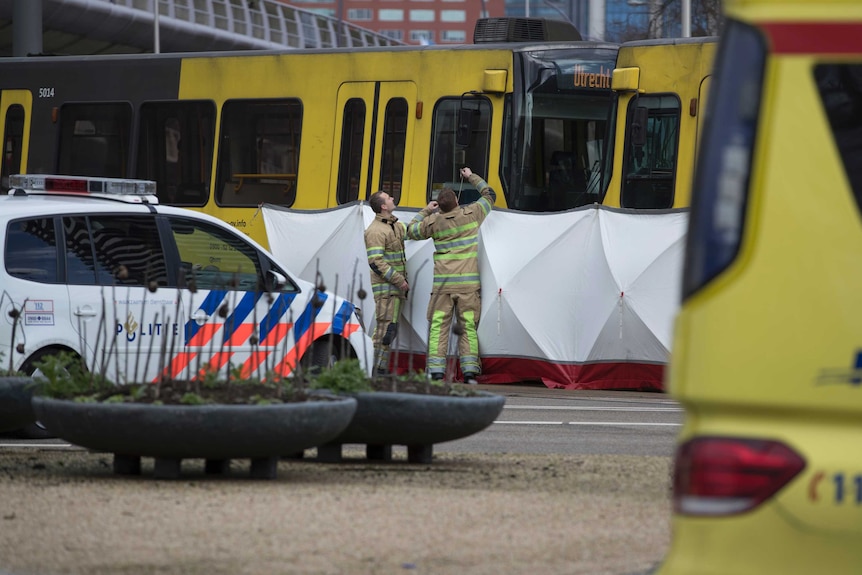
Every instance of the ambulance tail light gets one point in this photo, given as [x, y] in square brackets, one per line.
[717, 476]
[129, 190]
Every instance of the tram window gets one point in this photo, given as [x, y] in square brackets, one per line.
[175, 148]
[650, 170]
[13, 139]
[840, 88]
[394, 140]
[447, 158]
[563, 152]
[94, 139]
[259, 152]
[350, 161]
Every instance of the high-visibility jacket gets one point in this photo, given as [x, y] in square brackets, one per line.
[456, 240]
[384, 244]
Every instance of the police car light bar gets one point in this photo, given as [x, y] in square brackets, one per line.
[134, 191]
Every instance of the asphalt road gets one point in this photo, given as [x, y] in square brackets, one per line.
[537, 420]
[574, 482]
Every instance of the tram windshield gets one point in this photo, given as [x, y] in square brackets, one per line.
[560, 125]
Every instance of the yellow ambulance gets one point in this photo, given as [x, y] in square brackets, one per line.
[767, 355]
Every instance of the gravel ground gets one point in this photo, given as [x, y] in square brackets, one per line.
[65, 512]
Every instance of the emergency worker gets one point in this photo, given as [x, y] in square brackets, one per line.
[456, 290]
[384, 244]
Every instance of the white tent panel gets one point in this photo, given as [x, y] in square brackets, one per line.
[321, 241]
[625, 337]
[593, 285]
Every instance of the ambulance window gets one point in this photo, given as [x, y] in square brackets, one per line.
[650, 169]
[840, 87]
[31, 250]
[213, 258]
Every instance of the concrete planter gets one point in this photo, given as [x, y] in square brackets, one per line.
[418, 421]
[15, 408]
[217, 433]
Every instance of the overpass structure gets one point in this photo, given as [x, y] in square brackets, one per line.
[78, 27]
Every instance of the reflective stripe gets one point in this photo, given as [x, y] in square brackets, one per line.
[209, 307]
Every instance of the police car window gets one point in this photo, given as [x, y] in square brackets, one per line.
[80, 259]
[213, 258]
[113, 250]
[31, 250]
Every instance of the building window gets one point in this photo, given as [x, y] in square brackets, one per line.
[393, 34]
[359, 14]
[422, 15]
[390, 15]
[453, 36]
[453, 16]
[423, 36]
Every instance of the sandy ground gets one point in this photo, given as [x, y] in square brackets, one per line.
[64, 511]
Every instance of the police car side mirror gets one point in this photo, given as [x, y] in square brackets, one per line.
[276, 281]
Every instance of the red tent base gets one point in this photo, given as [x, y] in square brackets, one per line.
[606, 375]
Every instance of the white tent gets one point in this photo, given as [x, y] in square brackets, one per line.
[578, 299]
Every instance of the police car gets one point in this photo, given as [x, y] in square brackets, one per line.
[140, 291]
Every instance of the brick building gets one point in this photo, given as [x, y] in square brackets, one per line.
[411, 21]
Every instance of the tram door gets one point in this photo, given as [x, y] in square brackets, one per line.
[373, 140]
[15, 110]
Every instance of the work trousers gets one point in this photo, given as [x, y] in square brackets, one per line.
[388, 308]
[442, 308]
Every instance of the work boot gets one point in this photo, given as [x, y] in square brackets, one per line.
[381, 372]
[437, 376]
[470, 378]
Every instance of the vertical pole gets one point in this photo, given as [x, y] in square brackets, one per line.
[686, 18]
[527, 8]
[26, 27]
[596, 28]
[342, 33]
[156, 47]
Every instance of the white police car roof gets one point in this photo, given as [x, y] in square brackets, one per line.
[46, 194]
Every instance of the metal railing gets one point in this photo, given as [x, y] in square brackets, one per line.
[263, 23]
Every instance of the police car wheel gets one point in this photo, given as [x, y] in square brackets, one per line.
[323, 354]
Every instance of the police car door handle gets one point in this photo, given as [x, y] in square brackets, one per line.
[200, 317]
[85, 311]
